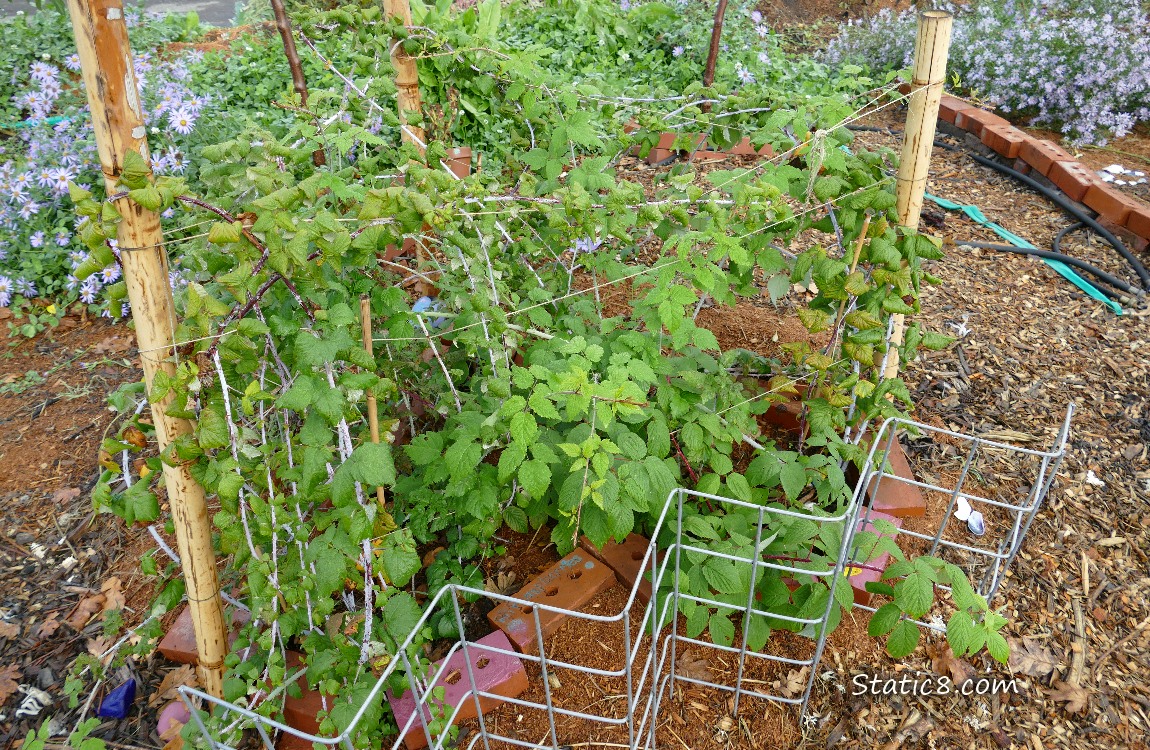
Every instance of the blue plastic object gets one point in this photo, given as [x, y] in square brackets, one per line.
[117, 703]
[426, 304]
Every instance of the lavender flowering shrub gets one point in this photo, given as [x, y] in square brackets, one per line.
[1081, 66]
[49, 144]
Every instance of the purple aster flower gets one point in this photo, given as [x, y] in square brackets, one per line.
[37, 239]
[72, 62]
[678, 51]
[182, 121]
[110, 274]
[25, 287]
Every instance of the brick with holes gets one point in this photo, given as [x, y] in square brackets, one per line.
[568, 584]
[626, 559]
[498, 673]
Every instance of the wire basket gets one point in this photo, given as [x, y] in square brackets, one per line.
[648, 637]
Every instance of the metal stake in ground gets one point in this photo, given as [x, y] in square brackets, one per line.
[930, 50]
[114, 99]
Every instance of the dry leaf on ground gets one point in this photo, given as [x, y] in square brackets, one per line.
[113, 591]
[694, 667]
[48, 627]
[173, 680]
[9, 630]
[502, 583]
[99, 646]
[9, 682]
[944, 662]
[1031, 658]
[65, 494]
[84, 611]
[795, 683]
[1076, 698]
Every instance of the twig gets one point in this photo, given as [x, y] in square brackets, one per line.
[1110, 651]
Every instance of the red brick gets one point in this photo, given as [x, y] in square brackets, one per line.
[626, 560]
[494, 673]
[1138, 222]
[786, 415]
[459, 160]
[302, 713]
[950, 106]
[1043, 155]
[743, 148]
[568, 584]
[1073, 179]
[179, 643]
[1022, 167]
[1004, 139]
[973, 120]
[288, 741]
[1113, 204]
[656, 155]
[892, 496]
[860, 576]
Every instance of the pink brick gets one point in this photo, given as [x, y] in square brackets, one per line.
[501, 674]
[860, 576]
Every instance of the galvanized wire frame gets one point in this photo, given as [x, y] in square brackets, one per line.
[650, 684]
[1002, 543]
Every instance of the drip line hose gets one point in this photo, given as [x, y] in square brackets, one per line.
[1058, 198]
[1068, 260]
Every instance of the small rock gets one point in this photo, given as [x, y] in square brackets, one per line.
[117, 703]
[174, 712]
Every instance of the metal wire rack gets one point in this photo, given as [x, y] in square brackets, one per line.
[650, 632]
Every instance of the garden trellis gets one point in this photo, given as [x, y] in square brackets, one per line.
[516, 397]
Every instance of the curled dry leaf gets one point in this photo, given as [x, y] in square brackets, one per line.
[173, 680]
[795, 683]
[1075, 697]
[85, 610]
[113, 594]
[9, 629]
[9, 682]
[694, 667]
[1031, 658]
[502, 583]
[944, 662]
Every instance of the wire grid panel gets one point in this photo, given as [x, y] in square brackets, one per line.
[648, 638]
[1006, 483]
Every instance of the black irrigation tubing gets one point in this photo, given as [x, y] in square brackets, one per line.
[1056, 197]
[1068, 260]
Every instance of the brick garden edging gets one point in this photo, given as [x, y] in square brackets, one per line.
[1047, 158]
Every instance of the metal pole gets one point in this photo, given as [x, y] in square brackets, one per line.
[931, 47]
[114, 99]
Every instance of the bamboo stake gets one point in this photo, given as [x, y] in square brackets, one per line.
[372, 407]
[406, 77]
[931, 47]
[114, 99]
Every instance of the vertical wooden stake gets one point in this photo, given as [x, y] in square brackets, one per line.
[406, 77]
[372, 408]
[114, 100]
[931, 47]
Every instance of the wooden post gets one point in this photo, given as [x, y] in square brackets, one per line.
[931, 47]
[114, 100]
[406, 77]
[372, 407]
